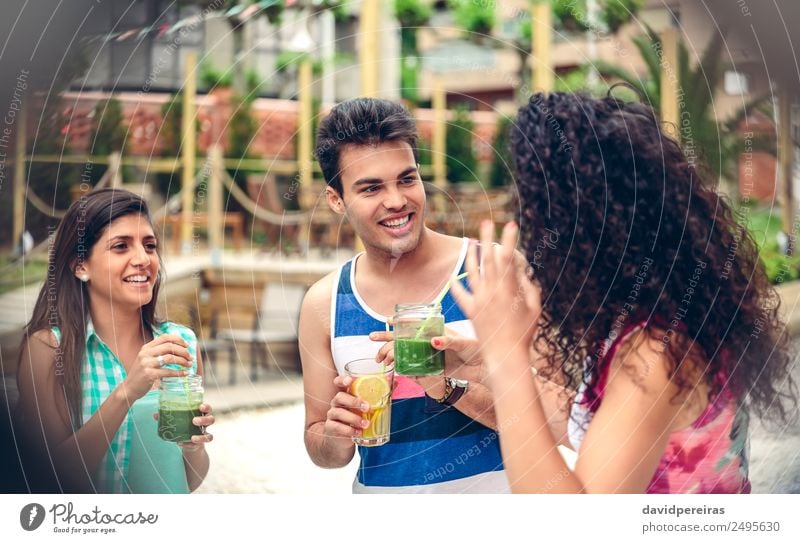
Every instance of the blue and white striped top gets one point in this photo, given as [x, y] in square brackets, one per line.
[433, 448]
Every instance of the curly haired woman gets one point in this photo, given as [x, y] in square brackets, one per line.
[647, 301]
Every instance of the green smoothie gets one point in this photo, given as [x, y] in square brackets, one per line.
[417, 357]
[175, 421]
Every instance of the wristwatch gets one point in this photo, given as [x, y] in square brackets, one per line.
[453, 390]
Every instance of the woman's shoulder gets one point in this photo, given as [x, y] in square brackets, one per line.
[47, 337]
[647, 355]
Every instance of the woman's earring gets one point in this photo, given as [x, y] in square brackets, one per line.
[84, 278]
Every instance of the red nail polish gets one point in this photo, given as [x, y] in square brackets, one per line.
[436, 343]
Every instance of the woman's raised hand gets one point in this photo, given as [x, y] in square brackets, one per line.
[503, 304]
[168, 349]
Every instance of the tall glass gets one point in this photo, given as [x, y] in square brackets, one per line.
[178, 403]
[414, 327]
[372, 383]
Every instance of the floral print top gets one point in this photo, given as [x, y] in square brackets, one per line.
[708, 456]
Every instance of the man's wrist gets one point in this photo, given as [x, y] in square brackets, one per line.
[438, 390]
[454, 389]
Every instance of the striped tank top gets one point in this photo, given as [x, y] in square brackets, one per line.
[433, 448]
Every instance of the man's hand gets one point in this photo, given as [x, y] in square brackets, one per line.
[344, 418]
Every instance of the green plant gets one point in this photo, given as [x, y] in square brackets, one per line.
[699, 129]
[211, 77]
[410, 14]
[570, 14]
[424, 152]
[107, 136]
[501, 173]
[241, 128]
[254, 82]
[108, 127]
[462, 161]
[477, 18]
[169, 183]
[765, 227]
[290, 60]
[617, 13]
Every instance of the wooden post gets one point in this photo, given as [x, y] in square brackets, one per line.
[786, 164]
[215, 227]
[115, 169]
[305, 141]
[670, 73]
[541, 46]
[20, 171]
[368, 55]
[188, 151]
[439, 144]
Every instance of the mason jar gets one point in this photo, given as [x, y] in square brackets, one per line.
[178, 404]
[414, 327]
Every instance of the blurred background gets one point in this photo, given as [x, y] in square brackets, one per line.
[208, 109]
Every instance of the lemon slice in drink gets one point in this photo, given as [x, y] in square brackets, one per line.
[372, 389]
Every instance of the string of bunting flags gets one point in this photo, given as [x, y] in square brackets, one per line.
[242, 12]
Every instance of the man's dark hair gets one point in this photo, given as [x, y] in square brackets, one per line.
[361, 121]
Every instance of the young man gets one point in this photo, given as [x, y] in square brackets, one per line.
[441, 436]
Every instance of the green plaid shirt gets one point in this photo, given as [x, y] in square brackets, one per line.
[101, 373]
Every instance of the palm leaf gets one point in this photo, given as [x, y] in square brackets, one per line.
[643, 86]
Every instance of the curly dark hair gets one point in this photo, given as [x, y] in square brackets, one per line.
[620, 227]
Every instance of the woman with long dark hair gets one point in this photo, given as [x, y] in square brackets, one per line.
[644, 301]
[93, 355]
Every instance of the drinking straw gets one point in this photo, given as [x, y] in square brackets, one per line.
[436, 302]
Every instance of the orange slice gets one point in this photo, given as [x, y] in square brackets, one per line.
[373, 389]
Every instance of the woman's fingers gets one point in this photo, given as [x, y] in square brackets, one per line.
[168, 359]
[207, 420]
[167, 338]
[164, 372]
[508, 243]
[487, 251]
[169, 348]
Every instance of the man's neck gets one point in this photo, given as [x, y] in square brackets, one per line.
[382, 264]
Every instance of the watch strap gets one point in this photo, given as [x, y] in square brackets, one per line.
[453, 391]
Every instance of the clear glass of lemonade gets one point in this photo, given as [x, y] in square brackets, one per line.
[372, 383]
